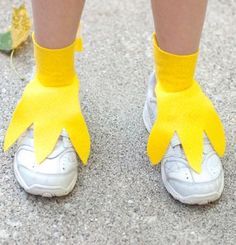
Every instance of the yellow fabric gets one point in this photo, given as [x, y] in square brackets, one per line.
[183, 109]
[79, 44]
[50, 102]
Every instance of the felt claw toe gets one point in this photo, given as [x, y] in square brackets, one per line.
[79, 135]
[215, 132]
[45, 138]
[20, 121]
[158, 142]
[192, 142]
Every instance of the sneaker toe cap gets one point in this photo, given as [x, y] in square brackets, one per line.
[55, 173]
[33, 178]
[197, 189]
[185, 182]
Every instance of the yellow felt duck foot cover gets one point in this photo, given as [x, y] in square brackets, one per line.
[183, 109]
[50, 103]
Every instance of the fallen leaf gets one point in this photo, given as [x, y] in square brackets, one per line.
[18, 31]
[5, 41]
[21, 25]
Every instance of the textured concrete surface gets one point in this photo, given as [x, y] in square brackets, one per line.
[120, 198]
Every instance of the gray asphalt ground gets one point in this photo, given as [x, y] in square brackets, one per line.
[120, 198]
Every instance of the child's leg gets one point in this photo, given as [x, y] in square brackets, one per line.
[191, 169]
[49, 111]
[56, 22]
[178, 24]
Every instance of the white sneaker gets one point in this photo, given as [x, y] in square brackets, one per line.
[55, 176]
[183, 183]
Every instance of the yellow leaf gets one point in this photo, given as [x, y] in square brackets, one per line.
[20, 26]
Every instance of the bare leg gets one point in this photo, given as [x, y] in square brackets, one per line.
[178, 24]
[56, 21]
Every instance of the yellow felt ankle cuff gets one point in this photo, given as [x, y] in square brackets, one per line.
[174, 72]
[54, 67]
[50, 103]
[182, 108]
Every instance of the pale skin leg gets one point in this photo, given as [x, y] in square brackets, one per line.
[178, 24]
[56, 21]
